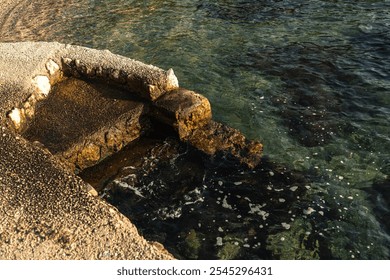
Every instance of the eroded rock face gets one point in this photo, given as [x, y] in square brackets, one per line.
[183, 109]
[189, 113]
[215, 138]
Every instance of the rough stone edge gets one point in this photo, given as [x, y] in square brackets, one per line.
[105, 141]
[146, 81]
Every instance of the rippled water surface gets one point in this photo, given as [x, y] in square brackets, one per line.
[310, 79]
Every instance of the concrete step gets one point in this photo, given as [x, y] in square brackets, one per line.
[83, 122]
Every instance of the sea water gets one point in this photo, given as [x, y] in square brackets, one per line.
[310, 80]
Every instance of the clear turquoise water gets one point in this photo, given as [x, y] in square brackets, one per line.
[310, 80]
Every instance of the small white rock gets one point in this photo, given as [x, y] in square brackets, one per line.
[294, 188]
[172, 81]
[52, 67]
[15, 116]
[219, 241]
[225, 204]
[42, 84]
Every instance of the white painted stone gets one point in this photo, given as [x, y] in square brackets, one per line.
[172, 81]
[52, 67]
[16, 118]
[42, 84]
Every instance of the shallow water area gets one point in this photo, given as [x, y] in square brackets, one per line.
[201, 207]
[310, 80]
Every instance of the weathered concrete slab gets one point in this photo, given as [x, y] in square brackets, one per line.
[82, 123]
[189, 113]
[47, 213]
[147, 81]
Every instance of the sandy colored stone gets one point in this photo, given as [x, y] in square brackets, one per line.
[218, 138]
[47, 212]
[183, 109]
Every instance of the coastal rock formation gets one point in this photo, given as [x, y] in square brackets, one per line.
[215, 138]
[64, 108]
[184, 110]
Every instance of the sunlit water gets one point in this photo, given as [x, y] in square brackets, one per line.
[310, 79]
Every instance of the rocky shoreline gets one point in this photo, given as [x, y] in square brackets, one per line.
[64, 108]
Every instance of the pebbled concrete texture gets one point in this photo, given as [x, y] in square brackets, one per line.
[47, 213]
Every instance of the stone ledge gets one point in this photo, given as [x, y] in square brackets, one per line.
[182, 109]
[36, 186]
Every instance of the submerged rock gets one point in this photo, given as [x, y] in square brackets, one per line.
[189, 113]
[215, 138]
